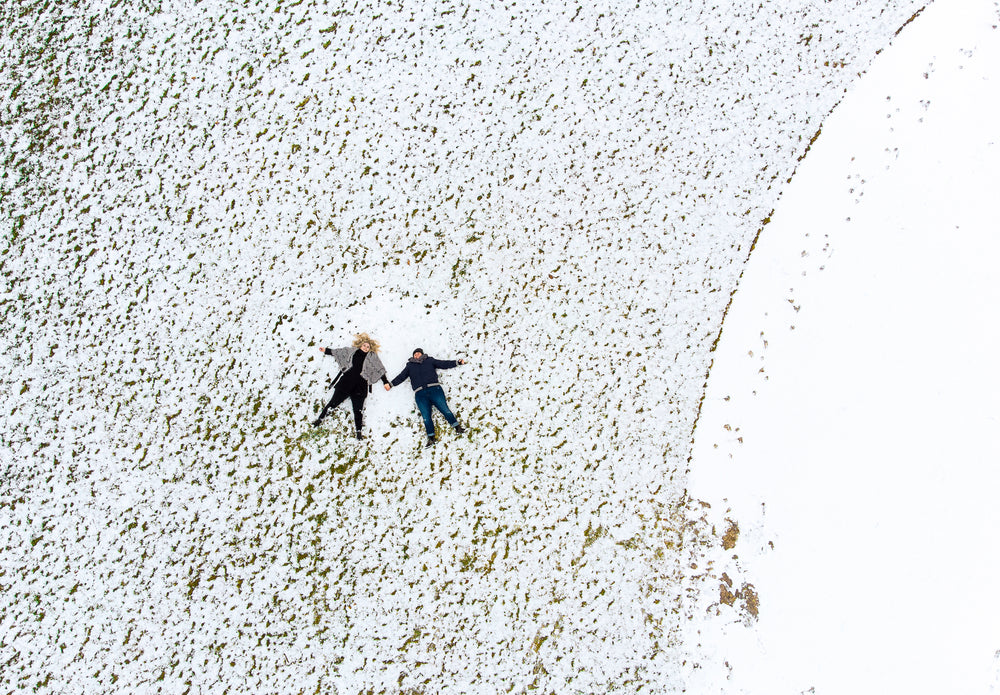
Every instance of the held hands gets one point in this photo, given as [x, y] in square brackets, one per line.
[388, 386]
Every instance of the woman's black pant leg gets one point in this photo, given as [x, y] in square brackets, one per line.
[338, 398]
[358, 402]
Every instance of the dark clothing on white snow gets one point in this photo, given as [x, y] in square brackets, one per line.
[363, 365]
[422, 372]
[427, 392]
[354, 381]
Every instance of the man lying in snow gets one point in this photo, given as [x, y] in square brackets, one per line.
[421, 370]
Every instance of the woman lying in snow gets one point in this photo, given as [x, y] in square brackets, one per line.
[360, 367]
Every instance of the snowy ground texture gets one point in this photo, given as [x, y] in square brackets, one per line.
[849, 429]
[197, 195]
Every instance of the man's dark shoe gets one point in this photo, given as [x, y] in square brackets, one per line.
[459, 428]
[430, 441]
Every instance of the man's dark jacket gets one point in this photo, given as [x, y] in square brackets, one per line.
[422, 372]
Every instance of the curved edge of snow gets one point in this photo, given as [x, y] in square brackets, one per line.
[849, 426]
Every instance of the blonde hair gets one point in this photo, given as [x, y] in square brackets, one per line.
[362, 338]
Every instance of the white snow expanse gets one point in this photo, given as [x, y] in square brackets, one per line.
[197, 195]
[850, 424]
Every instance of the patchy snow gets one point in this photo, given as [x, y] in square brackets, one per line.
[850, 424]
[197, 195]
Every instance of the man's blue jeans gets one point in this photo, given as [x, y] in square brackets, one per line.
[433, 396]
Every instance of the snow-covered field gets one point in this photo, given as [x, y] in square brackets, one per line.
[197, 195]
[850, 423]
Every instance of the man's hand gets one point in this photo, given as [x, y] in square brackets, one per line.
[388, 386]
[461, 361]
